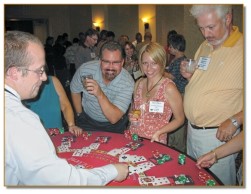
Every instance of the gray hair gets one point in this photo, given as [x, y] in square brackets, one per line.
[221, 10]
[15, 49]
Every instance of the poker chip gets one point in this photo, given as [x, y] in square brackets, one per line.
[160, 161]
[182, 179]
[210, 182]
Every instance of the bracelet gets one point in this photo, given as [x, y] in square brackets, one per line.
[215, 156]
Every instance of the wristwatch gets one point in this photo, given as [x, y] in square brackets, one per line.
[234, 122]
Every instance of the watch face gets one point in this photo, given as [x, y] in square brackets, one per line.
[235, 123]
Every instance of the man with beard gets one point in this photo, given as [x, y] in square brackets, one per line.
[213, 100]
[106, 97]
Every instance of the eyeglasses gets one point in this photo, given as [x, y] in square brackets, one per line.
[39, 72]
[153, 64]
[116, 63]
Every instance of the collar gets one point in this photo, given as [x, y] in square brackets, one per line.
[12, 91]
[233, 38]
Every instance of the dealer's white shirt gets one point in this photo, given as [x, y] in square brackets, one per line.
[30, 157]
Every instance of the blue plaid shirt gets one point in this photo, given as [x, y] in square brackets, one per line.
[174, 69]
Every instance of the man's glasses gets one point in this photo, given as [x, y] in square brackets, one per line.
[116, 63]
[39, 72]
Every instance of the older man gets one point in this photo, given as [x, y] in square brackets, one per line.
[30, 156]
[213, 99]
[106, 97]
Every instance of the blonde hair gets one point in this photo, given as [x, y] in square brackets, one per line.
[156, 52]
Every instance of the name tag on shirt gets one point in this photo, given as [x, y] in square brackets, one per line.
[93, 55]
[156, 106]
[203, 63]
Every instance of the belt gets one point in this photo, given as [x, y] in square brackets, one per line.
[197, 127]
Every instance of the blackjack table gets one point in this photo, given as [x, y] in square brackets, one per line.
[150, 163]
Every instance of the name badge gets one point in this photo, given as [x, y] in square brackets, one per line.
[93, 55]
[156, 106]
[203, 63]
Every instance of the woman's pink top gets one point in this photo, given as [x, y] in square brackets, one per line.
[150, 122]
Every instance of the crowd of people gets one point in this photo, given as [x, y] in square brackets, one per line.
[199, 113]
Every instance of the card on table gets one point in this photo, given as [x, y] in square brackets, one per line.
[102, 139]
[134, 145]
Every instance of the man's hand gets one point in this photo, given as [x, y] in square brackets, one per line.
[225, 131]
[183, 71]
[75, 130]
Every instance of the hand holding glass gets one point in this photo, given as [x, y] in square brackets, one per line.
[84, 78]
[134, 117]
[190, 65]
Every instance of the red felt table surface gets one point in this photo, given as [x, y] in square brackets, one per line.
[99, 157]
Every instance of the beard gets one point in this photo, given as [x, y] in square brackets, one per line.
[214, 42]
[110, 74]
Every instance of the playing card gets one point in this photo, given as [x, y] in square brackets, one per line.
[148, 164]
[86, 150]
[146, 180]
[94, 146]
[124, 150]
[78, 152]
[63, 148]
[160, 181]
[137, 159]
[102, 139]
[114, 152]
[124, 158]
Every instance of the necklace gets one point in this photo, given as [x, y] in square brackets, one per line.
[148, 91]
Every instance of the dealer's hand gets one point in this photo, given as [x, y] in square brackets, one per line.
[122, 171]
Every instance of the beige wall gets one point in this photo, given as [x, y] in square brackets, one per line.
[122, 19]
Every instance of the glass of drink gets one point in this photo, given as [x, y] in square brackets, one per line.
[84, 78]
[134, 117]
[191, 65]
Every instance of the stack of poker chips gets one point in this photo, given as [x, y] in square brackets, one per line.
[128, 134]
[135, 137]
[53, 131]
[182, 159]
[61, 130]
[163, 159]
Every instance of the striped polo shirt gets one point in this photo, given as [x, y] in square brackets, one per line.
[118, 91]
[214, 95]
